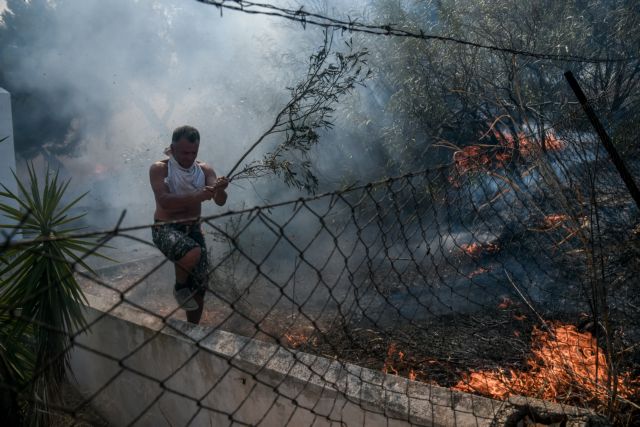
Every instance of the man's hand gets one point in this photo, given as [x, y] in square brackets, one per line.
[221, 183]
[206, 193]
[216, 185]
[217, 190]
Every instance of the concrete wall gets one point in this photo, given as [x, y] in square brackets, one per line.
[7, 152]
[139, 370]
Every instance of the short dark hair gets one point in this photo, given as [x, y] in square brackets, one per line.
[188, 132]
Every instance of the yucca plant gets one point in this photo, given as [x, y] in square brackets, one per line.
[40, 299]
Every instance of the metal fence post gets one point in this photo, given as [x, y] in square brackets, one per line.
[604, 137]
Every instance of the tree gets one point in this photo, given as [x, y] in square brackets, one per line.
[329, 77]
[40, 299]
[448, 92]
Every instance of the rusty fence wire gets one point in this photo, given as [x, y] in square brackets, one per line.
[498, 290]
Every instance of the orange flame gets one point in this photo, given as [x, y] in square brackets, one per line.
[395, 363]
[552, 143]
[476, 249]
[295, 340]
[472, 249]
[527, 145]
[472, 158]
[478, 158]
[478, 271]
[554, 220]
[566, 365]
[388, 363]
[505, 303]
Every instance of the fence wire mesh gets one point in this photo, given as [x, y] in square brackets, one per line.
[509, 274]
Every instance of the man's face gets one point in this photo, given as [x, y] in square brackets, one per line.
[185, 152]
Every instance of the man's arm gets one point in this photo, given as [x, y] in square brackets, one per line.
[216, 184]
[169, 201]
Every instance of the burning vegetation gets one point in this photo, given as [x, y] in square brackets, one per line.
[554, 220]
[476, 249]
[295, 340]
[489, 157]
[562, 364]
[565, 366]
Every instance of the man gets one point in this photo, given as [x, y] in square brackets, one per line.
[180, 185]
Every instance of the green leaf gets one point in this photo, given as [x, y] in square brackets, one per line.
[38, 279]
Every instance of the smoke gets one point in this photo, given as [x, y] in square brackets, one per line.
[118, 76]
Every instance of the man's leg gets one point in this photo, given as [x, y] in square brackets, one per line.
[185, 267]
[185, 253]
[194, 316]
[186, 264]
[199, 276]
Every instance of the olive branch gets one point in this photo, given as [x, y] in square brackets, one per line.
[330, 76]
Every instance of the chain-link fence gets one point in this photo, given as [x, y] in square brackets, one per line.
[510, 274]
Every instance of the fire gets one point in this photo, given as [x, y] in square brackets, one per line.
[566, 365]
[526, 144]
[505, 303]
[395, 362]
[564, 222]
[476, 249]
[472, 249]
[552, 142]
[295, 340]
[554, 220]
[478, 271]
[471, 159]
[388, 363]
[483, 157]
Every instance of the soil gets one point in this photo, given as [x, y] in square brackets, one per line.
[438, 351]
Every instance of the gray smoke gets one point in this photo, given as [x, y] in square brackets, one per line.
[131, 71]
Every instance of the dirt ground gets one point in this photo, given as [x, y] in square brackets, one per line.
[436, 351]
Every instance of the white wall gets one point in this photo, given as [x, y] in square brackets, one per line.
[7, 152]
[137, 370]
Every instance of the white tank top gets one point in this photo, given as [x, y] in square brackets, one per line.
[183, 180]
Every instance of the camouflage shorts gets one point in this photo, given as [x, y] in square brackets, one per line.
[175, 240]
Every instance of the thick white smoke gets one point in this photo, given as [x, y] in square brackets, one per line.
[131, 71]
